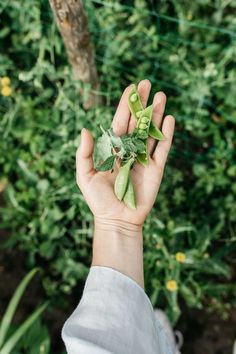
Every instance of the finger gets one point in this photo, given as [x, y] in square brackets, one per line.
[84, 156]
[144, 88]
[163, 147]
[159, 103]
[121, 118]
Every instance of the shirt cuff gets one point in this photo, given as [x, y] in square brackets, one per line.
[114, 315]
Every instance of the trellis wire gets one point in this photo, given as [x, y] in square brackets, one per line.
[172, 19]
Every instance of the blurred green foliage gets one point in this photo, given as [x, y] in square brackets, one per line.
[188, 50]
[36, 340]
[30, 335]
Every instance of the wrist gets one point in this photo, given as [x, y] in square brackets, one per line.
[119, 245]
[120, 227]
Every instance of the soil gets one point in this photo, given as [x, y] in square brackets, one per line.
[206, 333]
[203, 333]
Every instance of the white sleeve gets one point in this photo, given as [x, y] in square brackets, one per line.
[114, 316]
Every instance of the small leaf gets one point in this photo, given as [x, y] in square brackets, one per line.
[107, 164]
[27, 172]
[117, 143]
[128, 143]
[140, 145]
[104, 146]
[115, 140]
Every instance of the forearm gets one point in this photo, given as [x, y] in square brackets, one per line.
[119, 245]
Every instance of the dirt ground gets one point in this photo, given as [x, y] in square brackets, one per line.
[203, 333]
[206, 333]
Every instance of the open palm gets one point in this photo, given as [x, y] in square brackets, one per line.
[98, 187]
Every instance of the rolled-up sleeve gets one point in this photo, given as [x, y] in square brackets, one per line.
[114, 316]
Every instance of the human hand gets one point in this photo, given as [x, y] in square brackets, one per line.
[98, 187]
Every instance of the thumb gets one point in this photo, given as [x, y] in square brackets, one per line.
[84, 155]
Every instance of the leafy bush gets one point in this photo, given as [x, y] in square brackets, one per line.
[188, 51]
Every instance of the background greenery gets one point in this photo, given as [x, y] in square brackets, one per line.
[186, 49]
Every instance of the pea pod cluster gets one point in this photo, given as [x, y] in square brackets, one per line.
[128, 148]
[145, 126]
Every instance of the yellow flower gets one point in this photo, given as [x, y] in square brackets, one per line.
[5, 81]
[6, 91]
[171, 285]
[180, 257]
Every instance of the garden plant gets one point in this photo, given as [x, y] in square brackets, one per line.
[37, 339]
[187, 51]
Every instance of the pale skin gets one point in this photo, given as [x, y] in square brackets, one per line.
[118, 241]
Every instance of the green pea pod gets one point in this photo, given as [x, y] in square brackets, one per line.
[129, 197]
[122, 179]
[143, 129]
[143, 158]
[155, 133]
[134, 102]
[136, 108]
[147, 115]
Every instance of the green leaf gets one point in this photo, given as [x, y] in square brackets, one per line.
[104, 146]
[25, 169]
[189, 296]
[128, 143]
[36, 340]
[11, 308]
[140, 145]
[106, 143]
[117, 143]
[107, 164]
[12, 341]
[181, 229]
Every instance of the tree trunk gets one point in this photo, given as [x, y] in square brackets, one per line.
[73, 25]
